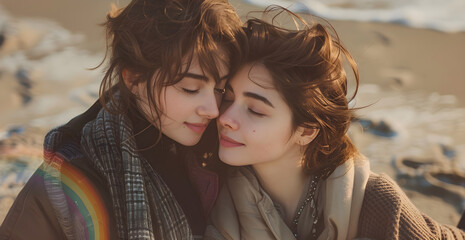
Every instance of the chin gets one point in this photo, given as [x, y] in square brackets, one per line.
[187, 141]
[188, 144]
[228, 159]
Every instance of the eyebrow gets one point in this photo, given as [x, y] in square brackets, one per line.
[252, 95]
[258, 97]
[203, 77]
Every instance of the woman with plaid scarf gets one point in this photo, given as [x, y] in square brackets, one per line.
[134, 165]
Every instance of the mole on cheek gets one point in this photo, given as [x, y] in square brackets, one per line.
[254, 130]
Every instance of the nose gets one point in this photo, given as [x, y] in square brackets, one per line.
[209, 107]
[227, 120]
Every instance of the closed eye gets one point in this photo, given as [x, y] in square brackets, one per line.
[189, 91]
[256, 113]
[220, 90]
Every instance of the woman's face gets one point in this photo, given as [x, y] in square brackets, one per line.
[255, 125]
[189, 105]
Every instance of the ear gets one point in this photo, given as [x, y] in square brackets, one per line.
[305, 135]
[130, 79]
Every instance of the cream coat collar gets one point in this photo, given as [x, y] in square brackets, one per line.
[245, 211]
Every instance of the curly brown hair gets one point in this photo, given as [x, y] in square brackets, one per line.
[157, 36]
[307, 69]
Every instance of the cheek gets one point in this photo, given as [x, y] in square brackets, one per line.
[173, 103]
[261, 137]
[264, 148]
[269, 137]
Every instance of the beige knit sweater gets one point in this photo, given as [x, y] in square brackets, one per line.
[387, 213]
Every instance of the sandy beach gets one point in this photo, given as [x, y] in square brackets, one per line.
[414, 79]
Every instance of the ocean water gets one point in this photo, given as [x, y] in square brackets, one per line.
[441, 15]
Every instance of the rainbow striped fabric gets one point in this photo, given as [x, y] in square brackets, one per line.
[84, 204]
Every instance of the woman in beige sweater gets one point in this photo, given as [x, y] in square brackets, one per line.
[283, 123]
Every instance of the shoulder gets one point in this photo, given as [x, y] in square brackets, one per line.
[382, 186]
[384, 196]
[387, 213]
[63, 144]
[51, 199]
[65, 139]
[63, 151]
[66, 167]
[32, 210]
[381, 209]
[383, 200]
[66, 177]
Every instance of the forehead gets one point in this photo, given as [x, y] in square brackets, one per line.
[257, 79]
[256, 75]
[217, 62]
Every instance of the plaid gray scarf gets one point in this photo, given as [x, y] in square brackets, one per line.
[137, 191]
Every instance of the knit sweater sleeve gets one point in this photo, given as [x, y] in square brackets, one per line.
[387, 213]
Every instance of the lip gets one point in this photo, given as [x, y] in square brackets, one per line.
[196, 127]
[229, 142]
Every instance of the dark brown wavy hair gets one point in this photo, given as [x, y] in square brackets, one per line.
[148, 36]
[307, 69]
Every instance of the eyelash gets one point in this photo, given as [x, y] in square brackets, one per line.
[220, 90]
[217, 90]
[255, 113]
[227, 100]
[188, 91]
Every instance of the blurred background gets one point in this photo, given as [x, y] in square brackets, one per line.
[411, 57]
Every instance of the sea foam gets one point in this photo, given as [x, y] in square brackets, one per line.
[446, 15]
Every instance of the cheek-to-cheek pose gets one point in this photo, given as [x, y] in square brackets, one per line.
[188, 106]
[255, 127]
